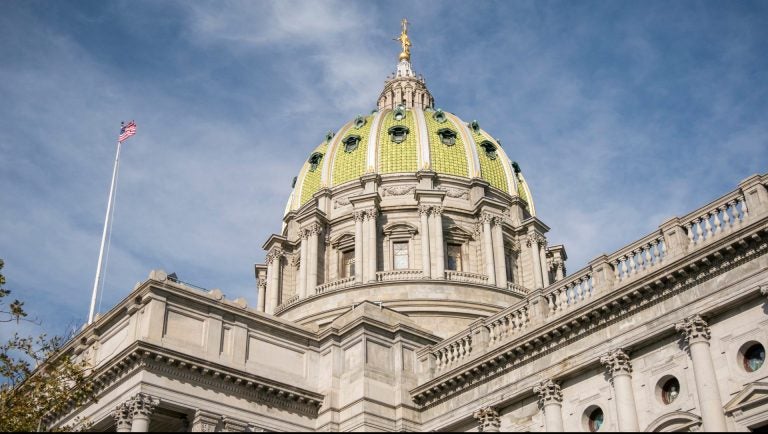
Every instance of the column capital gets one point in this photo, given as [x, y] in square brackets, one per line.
[303, 234]
[488, 418]
[262, 283]
[436, 210]
[486, 217]
[313, 229]
[371, 213]
[498, 220]
[205, 421]
[142, 404]
[694, 329]
[549, 392]
[617, 363]
[424, 209]
[537, 238]
[764, 290]
[123, 417]
[358, 216]
[274, 253]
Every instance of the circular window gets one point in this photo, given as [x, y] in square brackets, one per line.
[754, 357]
[595, 419]
[670, 390]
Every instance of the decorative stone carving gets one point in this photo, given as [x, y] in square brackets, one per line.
[537, 238]
[294, 260]
[764, 290]
[399, 190]
[486, 217]
[617, 363]
[498, 221]
[123, 417]
[371, 213]
[424, 209]
[359, 216]
[340, 202]
[314, 229]
[488, 418]
[205, 421]
[304, 234]
[549, 392]
[694, 329]
[437, 210]
[142, 405]
[455, 193]
[234, 425]
[262, 284]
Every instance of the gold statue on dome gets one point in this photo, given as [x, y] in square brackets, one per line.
[404, 42]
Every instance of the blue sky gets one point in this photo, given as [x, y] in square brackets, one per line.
[621, 114]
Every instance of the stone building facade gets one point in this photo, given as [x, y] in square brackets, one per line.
[412, 288]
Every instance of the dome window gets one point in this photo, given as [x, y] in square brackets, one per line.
[475, 126]
[399, 113]
[490, 149]
[439, 116]
[516, 167]
[314, 161]
[359, 122]
[447, 136]
[398, 133]
[328, 136]
[350, 143]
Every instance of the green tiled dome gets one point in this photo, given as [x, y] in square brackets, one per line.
[400, 140]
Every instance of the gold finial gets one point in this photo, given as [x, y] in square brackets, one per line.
[404, 42]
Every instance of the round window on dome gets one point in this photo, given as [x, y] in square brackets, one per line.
[398, 133]
[447, 136]
[490, 149]
[359, 122]
[753, 356]
[439, 116]
[350, 143]
[399, 113]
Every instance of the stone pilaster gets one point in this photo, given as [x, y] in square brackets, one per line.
[262, 294]
[273, 274]
[488, 418]
[620, 371]
[359, 217]
[314, 230]
[302, 290]
[497, 239]
[551, 402]
[533, 240]
[205, 421]
[696, 333]
[370, 217]
[426, 259]
[234, 425]
[437, 225]
[490, 266]
[141, 408]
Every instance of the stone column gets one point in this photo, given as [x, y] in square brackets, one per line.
[437, 223]
[490, 268]
[142, 406]
[370, 216]
[543, 261]
[312, 255]
[696, 334]
[551, 402]
[498, 253]
[359, 217]
[620, 370]
[273, 286]
[426, 265]
[122, 415]
[488, 418]
[262, 294]
[302, 290]
[533, 243]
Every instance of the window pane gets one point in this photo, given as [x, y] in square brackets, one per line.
[348, 263]
[401, 255]
[454, 257]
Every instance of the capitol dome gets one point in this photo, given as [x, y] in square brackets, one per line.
[412, 208]
[406, 134]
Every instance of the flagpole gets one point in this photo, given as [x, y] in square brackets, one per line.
[104, 234]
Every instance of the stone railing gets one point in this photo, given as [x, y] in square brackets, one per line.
[452, 351]
[574, 289]
[286, 304]
[336, 284]
[392, 275]
[718, 218]
[507, 323]
[639, 257]
[514, 287]
[466, 277]
[605, 274]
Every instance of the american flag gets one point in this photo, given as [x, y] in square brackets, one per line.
[126, 130]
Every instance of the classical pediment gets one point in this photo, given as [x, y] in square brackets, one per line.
[753, 394]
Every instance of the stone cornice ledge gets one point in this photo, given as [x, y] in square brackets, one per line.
[602, 311]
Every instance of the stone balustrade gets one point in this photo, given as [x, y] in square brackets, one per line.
[514, 287]
[453, 351]
[466, 277]
[639, 257]
[286, 304]
[506, 324]
[393, 275]
[709, 223]
[565, 294]
[336, 284]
